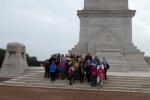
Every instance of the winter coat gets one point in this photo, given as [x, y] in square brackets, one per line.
[53, 68]
[81, 67]
[93, 71]
[62, 66]
[100, 72]
[71, 71]
[46, 66]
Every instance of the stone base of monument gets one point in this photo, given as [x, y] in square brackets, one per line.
[119, 63]
[131, 59]
[12, 71]
[128, 67]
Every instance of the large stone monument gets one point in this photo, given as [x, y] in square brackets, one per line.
[15, 60]
[106, 31]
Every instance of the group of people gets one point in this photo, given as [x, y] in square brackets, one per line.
[75, 67]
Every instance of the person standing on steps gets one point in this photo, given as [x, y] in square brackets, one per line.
[100, 75]
[72, 73]
[88, 70]
[52, 70]
[93, 74]
[106, 66]
[88, 57]
[46, 67]
[97, 60]
[62, 69]
[81, 70]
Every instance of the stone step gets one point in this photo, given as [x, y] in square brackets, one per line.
[42, 69]
[122, 89]
[130, 81]
[32, 84]
[65, 82]
[31, 71]
[27, 77]
[25, 83]
[30, 79]
[136, 83]
[34, 74]
[36, 68]
[108, 81]
[81, 87]
[109, 78]
[126, 77]
[37, 80]
[41, 76]
[123, 85]
[126, 80]
[49, 85]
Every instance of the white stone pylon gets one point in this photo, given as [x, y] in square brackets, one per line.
[15, 60]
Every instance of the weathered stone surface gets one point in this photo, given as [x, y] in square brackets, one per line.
[15, 60]
[106, 31]
[106, 4]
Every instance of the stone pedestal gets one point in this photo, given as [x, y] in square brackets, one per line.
[15, 60]
[106, 31]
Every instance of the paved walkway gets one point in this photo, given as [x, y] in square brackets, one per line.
[25, 93]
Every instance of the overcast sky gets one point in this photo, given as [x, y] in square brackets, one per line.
[51, 26]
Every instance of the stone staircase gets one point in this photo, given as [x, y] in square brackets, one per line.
[34, 77]
[127, 83]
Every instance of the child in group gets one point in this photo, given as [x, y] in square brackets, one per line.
[100, 74]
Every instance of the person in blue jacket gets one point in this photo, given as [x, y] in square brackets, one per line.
[52, 70]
